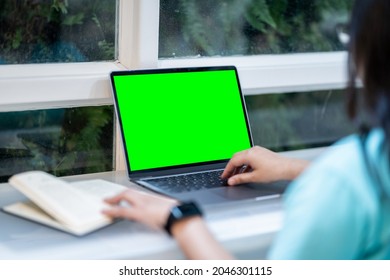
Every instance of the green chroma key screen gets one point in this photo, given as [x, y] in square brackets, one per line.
[180, 118]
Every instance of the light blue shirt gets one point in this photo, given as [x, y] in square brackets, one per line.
[333, 210]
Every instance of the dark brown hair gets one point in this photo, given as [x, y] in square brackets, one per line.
[369, 59]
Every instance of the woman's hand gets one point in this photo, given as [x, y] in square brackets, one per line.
[191, 233]
[149, 209]
[261, 165]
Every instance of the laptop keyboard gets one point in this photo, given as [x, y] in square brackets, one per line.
[188, 182]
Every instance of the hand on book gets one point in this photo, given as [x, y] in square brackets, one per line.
[149, 209]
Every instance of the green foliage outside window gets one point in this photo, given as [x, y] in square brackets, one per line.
[39, 31]
[245, 27]
[59, 141]
[298, 120]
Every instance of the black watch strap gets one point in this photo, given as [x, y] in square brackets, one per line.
[180, 212]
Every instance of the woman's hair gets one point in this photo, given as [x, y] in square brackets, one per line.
[369, 59]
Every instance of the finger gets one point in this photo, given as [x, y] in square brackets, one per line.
[241, 178]
[119, 212]
[128, 195]
[246, 168]
[115, 199]
[239, 170]
[235, 162]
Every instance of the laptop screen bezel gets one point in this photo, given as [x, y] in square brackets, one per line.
[184, 167]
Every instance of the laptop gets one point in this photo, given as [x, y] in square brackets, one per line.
[179, 129]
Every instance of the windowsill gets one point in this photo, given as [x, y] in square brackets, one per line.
[306, 154]
[35, 86]
[39, 86]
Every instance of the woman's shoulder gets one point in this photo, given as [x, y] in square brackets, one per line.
[342, 168]
[338, 160]
[334, 195]
[345, 157]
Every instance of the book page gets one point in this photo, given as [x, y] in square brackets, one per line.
[98, 188]
[61, 200]
[31, 211]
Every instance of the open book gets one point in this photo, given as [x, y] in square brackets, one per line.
[71, 207]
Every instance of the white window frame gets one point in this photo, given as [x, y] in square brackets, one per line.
[44, 86]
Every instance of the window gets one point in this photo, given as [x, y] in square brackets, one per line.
[40, 126]
[249, 27]
[277, 68]
[60, 141]
[298, 120]
[57, 31]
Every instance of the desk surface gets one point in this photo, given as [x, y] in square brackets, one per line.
[245, 228]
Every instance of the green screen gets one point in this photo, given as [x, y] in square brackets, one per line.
[180, 118]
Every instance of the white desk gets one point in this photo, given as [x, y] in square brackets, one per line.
[245, 228]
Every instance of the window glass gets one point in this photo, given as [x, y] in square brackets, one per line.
[57, 31]
[247, 27]
[298, 120]
[60, 141]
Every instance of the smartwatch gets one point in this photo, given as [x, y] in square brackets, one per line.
[181, 212]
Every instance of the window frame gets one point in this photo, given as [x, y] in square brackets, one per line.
[46, 86]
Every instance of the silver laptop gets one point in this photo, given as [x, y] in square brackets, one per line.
[179, 129]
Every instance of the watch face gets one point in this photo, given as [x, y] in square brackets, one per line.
[177, 213]
[186, 210]
[182, 211]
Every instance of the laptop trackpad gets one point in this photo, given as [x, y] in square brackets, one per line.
[241, 192]
[252, 190]
[236, 193]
